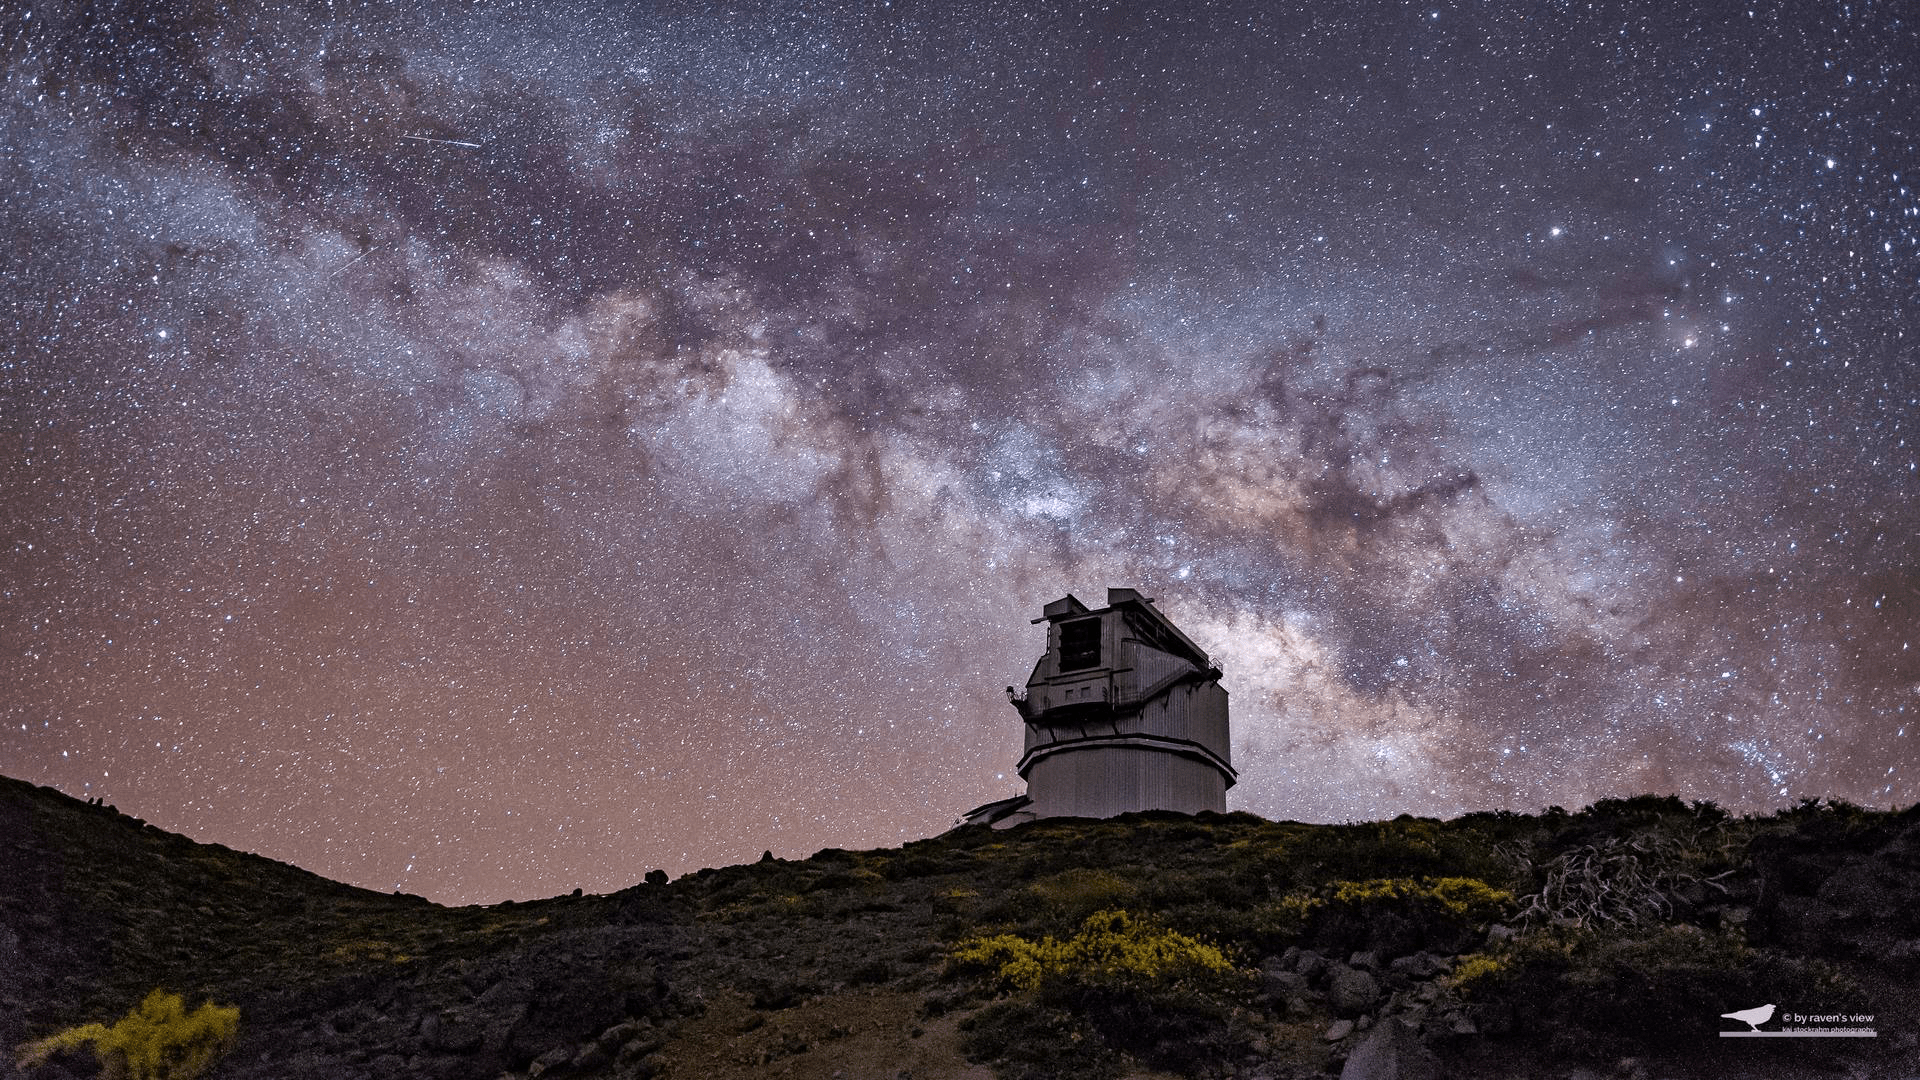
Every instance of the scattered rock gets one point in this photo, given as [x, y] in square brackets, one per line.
[1421, 965]
[502, 1024]
[1340, 1029]
[1277, 982]
[500, 992]
[1351, 991]
[591, 1057]
[436, 1066]
[549, 1061]
[1370, 961]
[450, 1034]
[1391, 1051]
[1309, 963]
[622, 1032]
[637, 1048]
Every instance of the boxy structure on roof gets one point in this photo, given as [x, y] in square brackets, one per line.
[1123, 713]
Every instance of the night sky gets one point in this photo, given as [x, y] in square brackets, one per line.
[485, 450]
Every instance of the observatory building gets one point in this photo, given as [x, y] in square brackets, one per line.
[1123, 713]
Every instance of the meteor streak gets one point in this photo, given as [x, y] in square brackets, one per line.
[449, 142]
[344, 266]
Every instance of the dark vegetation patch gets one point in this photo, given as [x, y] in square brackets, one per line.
[1517, 943]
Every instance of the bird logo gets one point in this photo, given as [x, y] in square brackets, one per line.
[1753, 1017]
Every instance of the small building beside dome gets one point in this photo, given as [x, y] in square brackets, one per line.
[1122, 713]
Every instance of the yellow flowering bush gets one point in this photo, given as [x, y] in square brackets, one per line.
[1395, 914]
[1467, 897]
[1475, 967]
[1297, 906]
[1120, 984]
[158, 1040]
[1111, 947]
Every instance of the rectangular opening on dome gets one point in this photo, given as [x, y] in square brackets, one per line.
[1079, 644]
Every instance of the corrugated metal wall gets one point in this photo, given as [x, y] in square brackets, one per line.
[1147, 668]
[1101, 781]
[1192, 712]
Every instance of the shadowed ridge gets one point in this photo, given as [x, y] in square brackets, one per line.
[1474, 941]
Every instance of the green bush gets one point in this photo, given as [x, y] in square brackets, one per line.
[1113, 948]
[1161, 996]
[1210, 888]
[1027, 1040]
[158, 1040]
[1394, 916]
[1474, 972]
[1075, 894]
[1404, 847]
[1604, 994]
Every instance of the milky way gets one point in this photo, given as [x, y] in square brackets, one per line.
[490, 450]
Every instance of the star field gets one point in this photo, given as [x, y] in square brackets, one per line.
[493, 449]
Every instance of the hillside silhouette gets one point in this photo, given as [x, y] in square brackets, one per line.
[1608, 942]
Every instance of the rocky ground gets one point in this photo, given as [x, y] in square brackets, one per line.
[1602, 944]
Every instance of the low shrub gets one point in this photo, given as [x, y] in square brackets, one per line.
[158, 1040]
[1627, 880]
[1394, 916]
[1075, 894]
[1161, 996]
[1234, 887]
[1605, 994]
[1471, 970]
[1407, 847]
[1026, 1040]
[1113, 948]
[1057, 902]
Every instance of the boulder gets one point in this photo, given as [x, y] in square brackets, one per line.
[450, 1033]
[1391, 1051]
[623, 1032]
[550, 1061]
[1421, 965]
[1351, 991]
[591, 1057]
[1276, 983]
[1309, 963]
